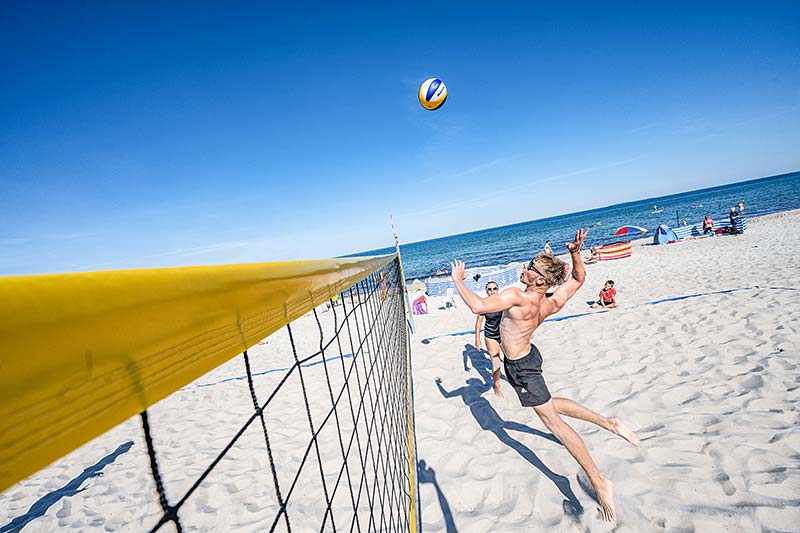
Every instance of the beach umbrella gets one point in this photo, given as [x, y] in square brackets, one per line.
[629, 230]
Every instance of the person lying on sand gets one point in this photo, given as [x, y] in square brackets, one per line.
[608, 296]
[523, 312]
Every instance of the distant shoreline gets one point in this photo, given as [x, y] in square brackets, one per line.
[642, 241]
[601, 209]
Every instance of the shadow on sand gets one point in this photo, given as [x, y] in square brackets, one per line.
[40, 507]
[480, 361]
[428, 475]
[488, 419]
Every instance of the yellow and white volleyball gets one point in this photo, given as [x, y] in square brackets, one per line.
[432, 93]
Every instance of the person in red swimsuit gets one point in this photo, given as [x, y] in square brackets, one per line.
[607, 296]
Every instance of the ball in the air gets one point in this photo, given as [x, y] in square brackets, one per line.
[432, 93]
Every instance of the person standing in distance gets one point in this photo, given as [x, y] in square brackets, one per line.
[491, 334]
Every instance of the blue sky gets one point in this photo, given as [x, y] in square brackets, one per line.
[146, 135]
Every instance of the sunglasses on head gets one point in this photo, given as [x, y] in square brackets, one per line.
[532, 267]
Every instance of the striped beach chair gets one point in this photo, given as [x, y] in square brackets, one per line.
[617, 250]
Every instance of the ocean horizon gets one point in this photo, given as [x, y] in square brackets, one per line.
[520, 241]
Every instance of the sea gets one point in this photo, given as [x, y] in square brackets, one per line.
[519, 242]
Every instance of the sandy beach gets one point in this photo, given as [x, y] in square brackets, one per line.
[701, 359]
[710, 383]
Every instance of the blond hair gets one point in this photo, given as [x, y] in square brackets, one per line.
[553, 268]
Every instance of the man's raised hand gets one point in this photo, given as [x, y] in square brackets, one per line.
[458, 269]
[580, 236]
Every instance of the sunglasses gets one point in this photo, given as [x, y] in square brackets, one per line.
[492, 289]
[532, 267]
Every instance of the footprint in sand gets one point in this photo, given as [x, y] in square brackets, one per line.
[727, 487]
[720, 476]
[649, 429]
[659, 523]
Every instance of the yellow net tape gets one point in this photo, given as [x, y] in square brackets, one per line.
[83, 352]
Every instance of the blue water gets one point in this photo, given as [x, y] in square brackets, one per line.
[519, 242]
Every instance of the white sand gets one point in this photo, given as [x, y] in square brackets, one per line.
[710, 383]
[192, 426]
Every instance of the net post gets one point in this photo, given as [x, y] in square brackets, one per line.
[406, 302]
[415, 516]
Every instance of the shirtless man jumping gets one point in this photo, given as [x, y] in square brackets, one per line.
[523, 311]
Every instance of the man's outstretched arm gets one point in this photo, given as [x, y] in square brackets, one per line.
[568, 289]
[443, 391]
[478, 305]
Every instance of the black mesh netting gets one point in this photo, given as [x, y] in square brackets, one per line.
[334, 423]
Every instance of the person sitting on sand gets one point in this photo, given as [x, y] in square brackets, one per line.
[420, 305]
[708, 226]
[523, 312]
[594, 257]
[607, 296]
[491, 333]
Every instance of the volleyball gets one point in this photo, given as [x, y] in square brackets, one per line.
[432, 93]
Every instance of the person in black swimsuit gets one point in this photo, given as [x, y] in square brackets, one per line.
[491, 333]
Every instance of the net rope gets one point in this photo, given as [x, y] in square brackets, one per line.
[366, 485]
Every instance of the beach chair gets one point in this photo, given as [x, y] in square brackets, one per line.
[617, 250]
[448, 300]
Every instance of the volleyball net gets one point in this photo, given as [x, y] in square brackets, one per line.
[271, 396]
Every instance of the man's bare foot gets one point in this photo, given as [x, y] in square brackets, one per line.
[619, 428]
[498, 392]
[605, 495]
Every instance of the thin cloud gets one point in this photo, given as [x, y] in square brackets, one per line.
[471, 170]
[201, 250]
[64, 237]
[589, 170]
[440, 208]
[179, 253]
[13, 241]
[481, 201]
[644, 127]
[723, 130]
